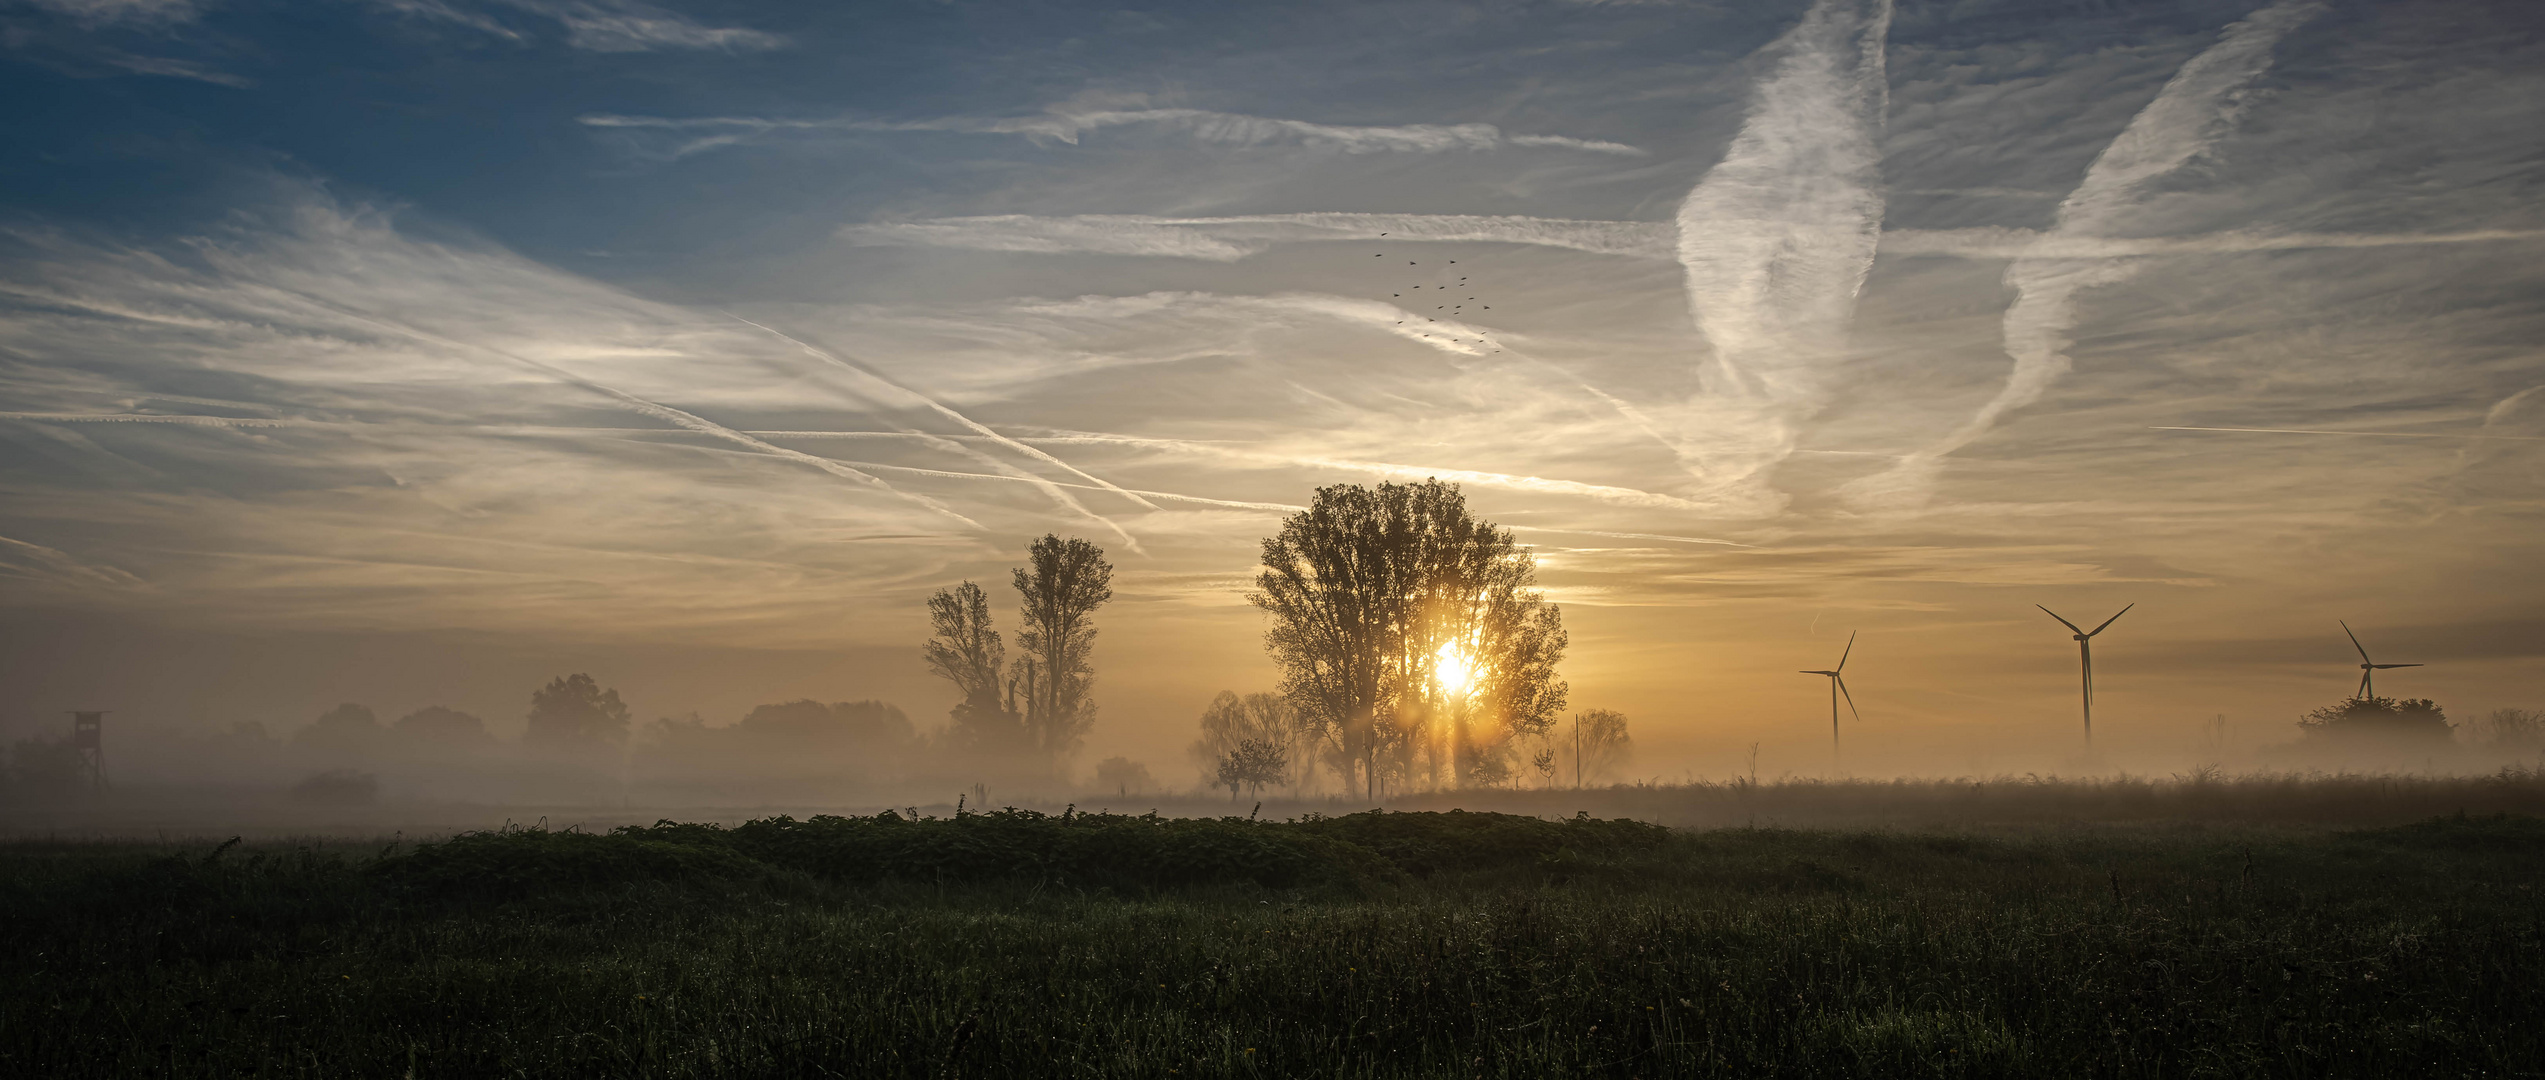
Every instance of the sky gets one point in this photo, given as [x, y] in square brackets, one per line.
[413, 351]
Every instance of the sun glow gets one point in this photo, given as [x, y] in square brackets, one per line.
[1453, 671]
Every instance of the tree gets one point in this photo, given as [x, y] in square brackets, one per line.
[1125, 776]
[2382, 718]
[1406, 628]
[1600, 745]
[436, 728]
[575, 713]
[346, 730]
[1252, 763]
[1230, 720]
[967, 652]
[1061, 586]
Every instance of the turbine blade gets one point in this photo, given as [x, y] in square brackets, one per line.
[2085, 651]
[1851, 701]
[2363, 649]
[2382, 667]
[2116, 617]
[2062, 622]
[1851, 648]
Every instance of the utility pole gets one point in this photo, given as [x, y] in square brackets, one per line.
[1577, 751]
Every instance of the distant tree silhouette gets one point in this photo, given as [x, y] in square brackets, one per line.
[1602, 748]
[967, 652]
[440, 728]
[1231, 719]
[348, 730]
[1252, 763]
[1375, 595]
[1125, 776]
[1060, 588]
[2413, 719]
[575, 713]
[2521, 730]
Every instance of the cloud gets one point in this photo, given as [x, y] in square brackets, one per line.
[2201, 103]
[625, 26]
[175, 69]
[1776, 240]
[49, 566]
[124, 12]
[1227, 239]
[1068, 124]
[610, 26]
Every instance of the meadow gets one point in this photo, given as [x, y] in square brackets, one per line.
[1019, 943]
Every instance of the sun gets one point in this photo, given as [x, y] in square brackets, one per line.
[1453, 671]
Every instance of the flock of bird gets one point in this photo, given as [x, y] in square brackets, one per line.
[1444, 289]
[2368, 669]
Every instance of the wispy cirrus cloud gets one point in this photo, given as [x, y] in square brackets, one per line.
[1776, 240]
[1227, 239]
[2199, 104]
[608, 26]
[1068, 124]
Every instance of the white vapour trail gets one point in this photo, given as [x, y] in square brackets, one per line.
[2000, 243]
[20, 558]
[643, 407]
[1064, 124]
[909, 396]
[1228, 239]
[2186, 117]
[1622, 496]
[1776, 241]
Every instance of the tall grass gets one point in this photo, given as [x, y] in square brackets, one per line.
[1445, 945]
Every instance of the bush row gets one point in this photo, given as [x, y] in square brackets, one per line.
[1124, 853]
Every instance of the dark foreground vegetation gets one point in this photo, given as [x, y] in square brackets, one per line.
[1402, 944]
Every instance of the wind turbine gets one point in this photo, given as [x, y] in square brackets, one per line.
[2367, 668]
[1837, 686]
[2085, 657]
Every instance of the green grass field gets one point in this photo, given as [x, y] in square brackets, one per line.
[1401, 944]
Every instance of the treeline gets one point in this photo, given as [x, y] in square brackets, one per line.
[578, 743]
[1416, 655]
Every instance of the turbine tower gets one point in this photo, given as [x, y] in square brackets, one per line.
[2368, 668]
[1837, 686]
[2085, 658]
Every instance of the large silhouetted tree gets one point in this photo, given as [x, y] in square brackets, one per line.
[967, 652]
[1059, 589]
[1405, 626]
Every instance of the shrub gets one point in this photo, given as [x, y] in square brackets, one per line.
[2380, 717]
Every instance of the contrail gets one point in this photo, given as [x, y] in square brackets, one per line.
[60, 566]
[1776, 240]
[2365, 434]
[932, 404]
[1228, 239]
[1600, 492]
[1005, 478]
[2186, 117]
[665, 413]
[166, 418]
[1632, 536]
[1049, 489]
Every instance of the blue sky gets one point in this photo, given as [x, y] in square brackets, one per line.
[743, 326]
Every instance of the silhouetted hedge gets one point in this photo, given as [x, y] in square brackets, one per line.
[1083, 851]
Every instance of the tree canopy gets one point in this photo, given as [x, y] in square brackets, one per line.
[1408, 631]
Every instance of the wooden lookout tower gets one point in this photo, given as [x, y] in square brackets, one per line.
[86, 731]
